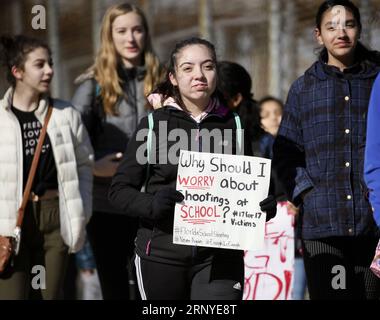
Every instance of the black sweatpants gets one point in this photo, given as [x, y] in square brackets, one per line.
[112, 240]
[338, 268]
[220, 279]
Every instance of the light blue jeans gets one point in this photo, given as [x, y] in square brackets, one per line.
[299, 287]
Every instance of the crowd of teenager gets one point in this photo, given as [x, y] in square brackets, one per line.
[92, 196]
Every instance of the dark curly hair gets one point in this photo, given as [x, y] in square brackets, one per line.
[14, 51]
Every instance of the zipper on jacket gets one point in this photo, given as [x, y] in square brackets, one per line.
[134, 96]
[194, 249]
[199, 138]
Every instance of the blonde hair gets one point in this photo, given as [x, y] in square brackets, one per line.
[105, 66]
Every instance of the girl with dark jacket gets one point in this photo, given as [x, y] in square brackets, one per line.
[319, 152]
[189, 102]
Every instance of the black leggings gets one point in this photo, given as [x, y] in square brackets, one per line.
[220, 279]
[338, 268]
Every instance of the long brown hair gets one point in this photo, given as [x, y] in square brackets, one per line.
[105, 66]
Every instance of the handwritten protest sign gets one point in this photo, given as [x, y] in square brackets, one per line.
[222, 194]
[269, 272]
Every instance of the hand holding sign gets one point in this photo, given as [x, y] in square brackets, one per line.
[269, 205]
[221, 207]
[164, 201]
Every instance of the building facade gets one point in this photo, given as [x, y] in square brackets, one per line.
[273, 39]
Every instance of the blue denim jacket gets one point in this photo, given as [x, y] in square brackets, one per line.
[319, 150]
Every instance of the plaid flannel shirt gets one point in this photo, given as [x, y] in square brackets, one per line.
[318, 153]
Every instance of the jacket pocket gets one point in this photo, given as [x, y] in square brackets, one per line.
[310, 213]
[308, 196]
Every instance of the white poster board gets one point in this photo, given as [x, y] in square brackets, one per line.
[222, 194]
[269, 272]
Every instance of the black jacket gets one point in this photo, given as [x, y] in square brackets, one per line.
[155, 238]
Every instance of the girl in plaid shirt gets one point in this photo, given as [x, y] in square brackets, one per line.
[319, 154]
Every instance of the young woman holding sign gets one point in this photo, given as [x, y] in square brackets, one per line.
[166, 270]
